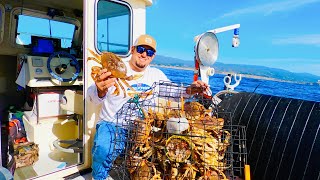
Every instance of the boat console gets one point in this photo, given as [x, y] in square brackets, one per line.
[38, 71]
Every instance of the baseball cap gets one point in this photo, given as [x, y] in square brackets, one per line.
[146, 40]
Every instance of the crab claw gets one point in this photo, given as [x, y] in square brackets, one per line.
[94, 72]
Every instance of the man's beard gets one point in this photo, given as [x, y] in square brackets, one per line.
[140, 65]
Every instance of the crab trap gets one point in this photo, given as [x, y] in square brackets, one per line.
[172, 135]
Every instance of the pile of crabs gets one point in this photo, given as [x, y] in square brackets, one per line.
[178, 143]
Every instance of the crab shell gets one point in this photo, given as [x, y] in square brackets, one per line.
[113, 64]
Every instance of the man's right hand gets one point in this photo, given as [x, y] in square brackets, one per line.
[103, 82]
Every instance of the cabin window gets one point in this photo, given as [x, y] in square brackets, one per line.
[113, 32]
[1, 22]
[45, 28]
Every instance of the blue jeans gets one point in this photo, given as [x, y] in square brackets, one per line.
[109, 143]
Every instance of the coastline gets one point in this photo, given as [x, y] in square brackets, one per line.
[224, 73]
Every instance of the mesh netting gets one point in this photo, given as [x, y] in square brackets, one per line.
[173, 136]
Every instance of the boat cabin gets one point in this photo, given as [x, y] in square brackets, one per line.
[44, 76]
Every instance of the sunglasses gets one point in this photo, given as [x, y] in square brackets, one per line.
[141, 49]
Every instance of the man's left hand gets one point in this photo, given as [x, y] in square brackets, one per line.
[198, 87]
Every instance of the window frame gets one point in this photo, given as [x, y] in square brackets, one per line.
[2, 22]
[39, 14]
[130, 25]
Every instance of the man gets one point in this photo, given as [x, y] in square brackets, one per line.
[107, 130]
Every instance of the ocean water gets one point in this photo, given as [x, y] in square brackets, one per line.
[282, 89]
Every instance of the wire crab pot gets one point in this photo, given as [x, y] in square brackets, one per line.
[174, 135]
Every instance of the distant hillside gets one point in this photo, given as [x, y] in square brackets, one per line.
[242, 69]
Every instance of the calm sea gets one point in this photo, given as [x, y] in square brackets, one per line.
[282, 89]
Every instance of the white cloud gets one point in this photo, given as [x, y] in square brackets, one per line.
[270, 8]
[309, 39]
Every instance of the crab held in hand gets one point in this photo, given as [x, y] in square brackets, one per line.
[116, 66]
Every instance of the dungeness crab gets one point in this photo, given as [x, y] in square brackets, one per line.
[116, 66]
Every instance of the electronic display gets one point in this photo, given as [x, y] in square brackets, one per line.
[44, 46]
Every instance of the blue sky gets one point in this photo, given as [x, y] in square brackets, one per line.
[280, 34]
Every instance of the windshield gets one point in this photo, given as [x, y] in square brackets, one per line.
[45, 28]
